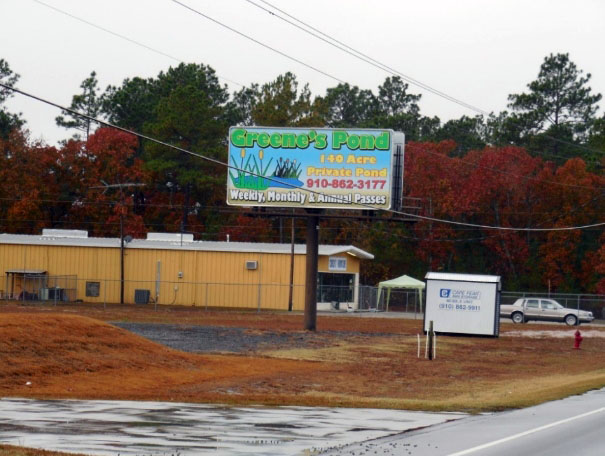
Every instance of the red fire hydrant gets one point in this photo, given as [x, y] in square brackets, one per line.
[577, 340]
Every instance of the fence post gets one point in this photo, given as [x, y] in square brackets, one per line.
[415, 308]
[206, 300]
[105, 294]
[259, 294]
[157, 293]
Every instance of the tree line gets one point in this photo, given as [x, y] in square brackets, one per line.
[537, 165]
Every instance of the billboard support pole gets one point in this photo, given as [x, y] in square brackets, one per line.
[311, 272]
[291, 288]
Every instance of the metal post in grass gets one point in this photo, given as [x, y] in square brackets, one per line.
[431, 340]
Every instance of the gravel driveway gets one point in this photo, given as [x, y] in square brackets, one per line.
[198, 339]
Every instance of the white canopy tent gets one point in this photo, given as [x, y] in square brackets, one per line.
[400, 282]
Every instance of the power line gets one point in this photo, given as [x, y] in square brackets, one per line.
[283, 54]
[342, 47]
[366, 59]
[82, 202]
[363, 57]
[123, 37]
[235, 168]
[200, 225]
[376, 63]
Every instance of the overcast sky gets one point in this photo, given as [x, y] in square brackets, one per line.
[475, 50]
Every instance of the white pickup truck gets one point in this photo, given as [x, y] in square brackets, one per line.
[526, 309]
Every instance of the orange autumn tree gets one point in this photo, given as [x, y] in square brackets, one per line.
[29, 184]
[569, 258]
[598, 267]
[500, 192]
[108, 157]
[435, 177]
[506, 187]
[241, 228]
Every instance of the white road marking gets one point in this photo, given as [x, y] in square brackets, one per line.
[522, 434]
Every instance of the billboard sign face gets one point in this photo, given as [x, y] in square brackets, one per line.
[311, 167]
[462, 307]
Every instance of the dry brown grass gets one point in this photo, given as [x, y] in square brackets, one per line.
[10, 450]
[65, 355]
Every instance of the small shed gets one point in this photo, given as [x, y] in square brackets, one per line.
[404, 281]
[22, 282]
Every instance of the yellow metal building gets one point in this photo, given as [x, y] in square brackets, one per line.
[174, 269]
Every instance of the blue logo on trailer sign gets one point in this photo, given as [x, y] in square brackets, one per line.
[445, 292]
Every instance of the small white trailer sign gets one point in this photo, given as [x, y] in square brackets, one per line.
[463, 303]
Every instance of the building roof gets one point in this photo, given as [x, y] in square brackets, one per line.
[26, 271]
[172, 241]
[462, 277]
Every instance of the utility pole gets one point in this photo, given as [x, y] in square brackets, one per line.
[121, 187]
[121, 245]
[185, 211]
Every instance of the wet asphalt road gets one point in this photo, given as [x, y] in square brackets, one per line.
[164, 429]
[572, 426]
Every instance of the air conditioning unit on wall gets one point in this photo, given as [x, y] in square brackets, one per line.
[141, 296]
[251, 265]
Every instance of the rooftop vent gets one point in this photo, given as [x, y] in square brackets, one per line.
[64, 233]
[170, 237]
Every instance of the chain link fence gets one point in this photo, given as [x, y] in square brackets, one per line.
[42, 287]
[259, 296]
[591, 302]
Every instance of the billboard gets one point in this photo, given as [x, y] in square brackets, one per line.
[314, 167]
[463, 303]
